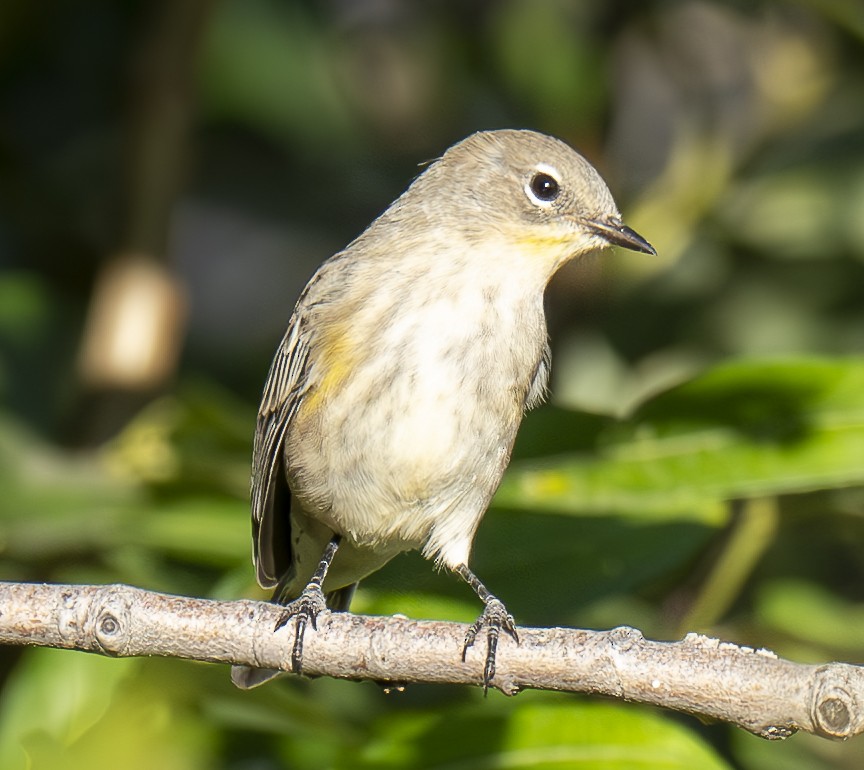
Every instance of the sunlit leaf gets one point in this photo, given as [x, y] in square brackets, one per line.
[539, 736]
[747, 428]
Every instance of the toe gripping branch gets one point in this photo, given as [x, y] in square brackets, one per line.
[311, 602]
[494, 617]
[306, 607]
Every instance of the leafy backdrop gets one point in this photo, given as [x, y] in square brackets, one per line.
[700, 467]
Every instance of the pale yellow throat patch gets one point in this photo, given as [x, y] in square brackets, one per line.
[551, 247]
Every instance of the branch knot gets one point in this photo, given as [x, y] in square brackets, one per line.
[110, 613]
[835, 709]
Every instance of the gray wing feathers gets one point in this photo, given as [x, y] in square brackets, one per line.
[270, 494]
[538, 390]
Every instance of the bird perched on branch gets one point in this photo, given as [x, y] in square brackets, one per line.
[392, 404]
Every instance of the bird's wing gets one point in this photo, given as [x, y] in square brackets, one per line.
[271, 497]
[539, 388]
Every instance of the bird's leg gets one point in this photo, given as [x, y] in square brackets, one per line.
[494, 616]
[309, 604]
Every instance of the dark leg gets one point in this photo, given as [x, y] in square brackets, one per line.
[494, 616]
[309, 604]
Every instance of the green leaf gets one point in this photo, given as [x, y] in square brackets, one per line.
[744, 429]
[65, 709]
[536, 734]
[547, 569]
[808, 612]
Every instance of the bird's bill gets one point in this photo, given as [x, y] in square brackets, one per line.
[617, 233]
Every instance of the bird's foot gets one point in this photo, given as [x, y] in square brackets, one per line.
[305, 608]
[496, 619]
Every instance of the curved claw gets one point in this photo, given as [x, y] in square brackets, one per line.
[306, 609]
[496, 618]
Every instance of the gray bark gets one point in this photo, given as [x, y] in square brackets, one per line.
[751, 688]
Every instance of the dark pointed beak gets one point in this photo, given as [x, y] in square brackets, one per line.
[617, 233]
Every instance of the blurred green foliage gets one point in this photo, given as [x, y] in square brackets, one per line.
[701, 466]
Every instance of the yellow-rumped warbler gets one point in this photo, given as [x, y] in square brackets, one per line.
[392, 405]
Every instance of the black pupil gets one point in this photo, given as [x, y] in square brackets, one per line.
[544, 187]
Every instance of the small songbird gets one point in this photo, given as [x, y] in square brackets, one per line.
[392, 404]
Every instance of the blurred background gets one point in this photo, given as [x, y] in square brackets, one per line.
[172, 172]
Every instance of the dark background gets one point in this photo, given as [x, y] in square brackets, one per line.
[175, 171]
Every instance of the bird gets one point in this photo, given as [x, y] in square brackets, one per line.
[390, 409]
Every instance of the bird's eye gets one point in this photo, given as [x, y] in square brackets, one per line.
[543, 187]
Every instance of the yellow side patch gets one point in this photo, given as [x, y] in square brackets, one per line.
[336, 356]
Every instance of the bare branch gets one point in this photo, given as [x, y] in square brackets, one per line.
[751, 688]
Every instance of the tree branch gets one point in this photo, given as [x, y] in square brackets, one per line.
[751, 688]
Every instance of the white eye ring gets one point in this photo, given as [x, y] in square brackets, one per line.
[543, 187]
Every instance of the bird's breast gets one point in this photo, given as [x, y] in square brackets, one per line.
[408, 416]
